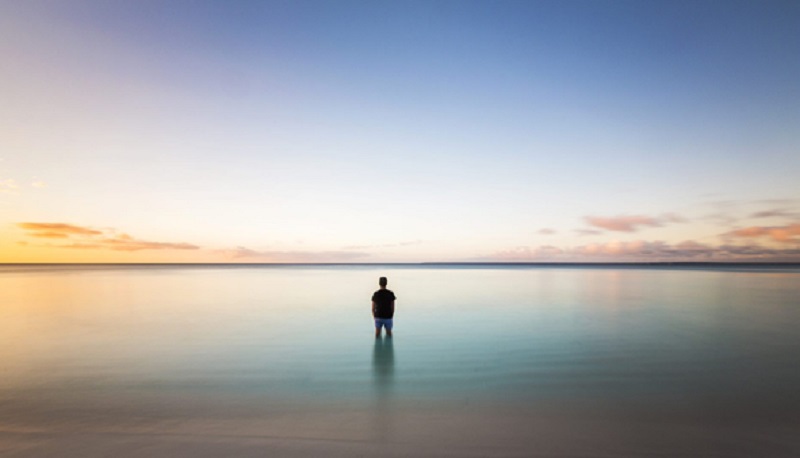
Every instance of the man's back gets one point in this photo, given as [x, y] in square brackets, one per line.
[384, 303]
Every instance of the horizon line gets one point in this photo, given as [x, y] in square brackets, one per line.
[426, 263]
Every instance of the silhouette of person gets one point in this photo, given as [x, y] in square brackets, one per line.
[383, 308]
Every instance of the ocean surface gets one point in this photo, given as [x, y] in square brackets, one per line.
[486, 360]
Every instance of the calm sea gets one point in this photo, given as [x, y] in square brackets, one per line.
[485, 361]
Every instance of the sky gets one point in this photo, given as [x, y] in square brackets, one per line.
[364, 131]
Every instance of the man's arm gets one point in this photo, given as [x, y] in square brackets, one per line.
[373, 309]
[392, 306]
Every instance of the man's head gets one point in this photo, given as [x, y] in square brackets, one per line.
[382, 282]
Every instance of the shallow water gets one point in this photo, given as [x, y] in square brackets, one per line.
[500, 361]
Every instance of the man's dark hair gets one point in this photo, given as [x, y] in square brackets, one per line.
[382, 281]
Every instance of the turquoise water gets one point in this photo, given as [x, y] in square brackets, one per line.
[523, 360]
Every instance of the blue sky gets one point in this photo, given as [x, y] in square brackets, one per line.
[405, 131]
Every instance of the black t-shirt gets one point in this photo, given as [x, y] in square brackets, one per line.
[383, 299]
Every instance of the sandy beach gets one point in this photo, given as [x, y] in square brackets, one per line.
[566, 429]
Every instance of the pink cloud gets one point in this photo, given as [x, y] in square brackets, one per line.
[781, 234]
[644, 249]
[648, 251]
[622, 223]
[632, 223]
[546, 231]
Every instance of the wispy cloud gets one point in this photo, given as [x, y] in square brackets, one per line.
[125, 242]
[649, 251]
[383, 245]
[621, 223]
[11, 186]
[8, 186]
[526, 253]
[689, 250]
[49, 235]
[775, 213]
[244, 253]
[239, 252]
[632, 223]
[782, 234]
[729, 212]
[546, 231]
[643, 249]
[588, 232]
[87, 238]
[56, 230]
[779, 202]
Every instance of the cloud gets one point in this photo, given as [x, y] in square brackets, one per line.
[760, 252]
[622, 223]
[56, 229]
[775, 213]
[729, 212]
[86, 238]
[385, 245]
[689, 250]
[781, 234]
[642, 249]
[49, 235]
[546, 231]
[778, 202]
[672, 218]
[648, 251]
[82, 246]
[523, 253]
[240, 253]
[632, 223]
[588, 232]
[127, 243]
[8, 186]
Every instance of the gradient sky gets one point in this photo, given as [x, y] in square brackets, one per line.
[343, 131]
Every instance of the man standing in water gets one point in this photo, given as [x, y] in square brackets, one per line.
[383, 308]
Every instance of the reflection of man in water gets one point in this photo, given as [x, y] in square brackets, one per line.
[383, 308]
[383, 421]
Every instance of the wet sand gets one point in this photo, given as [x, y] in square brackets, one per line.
[93, 426]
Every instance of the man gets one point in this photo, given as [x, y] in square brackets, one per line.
[383, 308]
